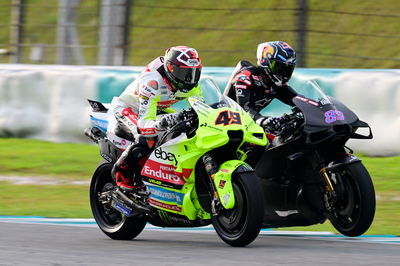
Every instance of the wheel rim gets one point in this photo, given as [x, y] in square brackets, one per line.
[346, 211]
[107, 218]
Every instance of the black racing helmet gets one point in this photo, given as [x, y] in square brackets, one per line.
[182, 66]
[278, 60]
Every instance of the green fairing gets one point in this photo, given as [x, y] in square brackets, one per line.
[210, 135]
[223, 182]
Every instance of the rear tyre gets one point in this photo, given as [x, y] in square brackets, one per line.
[110, 221]
[241, 225]
[354, 209]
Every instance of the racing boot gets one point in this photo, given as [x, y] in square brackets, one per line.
[125, 168]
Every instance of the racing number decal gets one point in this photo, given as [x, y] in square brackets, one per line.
[228, 118]
[333, 115]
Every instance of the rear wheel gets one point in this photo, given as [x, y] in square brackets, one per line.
[111, 222]
[241, 225]
[354, 208]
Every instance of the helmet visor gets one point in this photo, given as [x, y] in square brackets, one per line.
[282, 69]
[184, 74]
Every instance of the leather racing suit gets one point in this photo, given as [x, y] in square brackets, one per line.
[144, 102]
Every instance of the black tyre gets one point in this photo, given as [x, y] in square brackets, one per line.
[111, 222]
[354, 209]
[241, 225]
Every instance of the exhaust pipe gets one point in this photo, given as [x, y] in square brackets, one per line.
[123, 202]
[89, 133]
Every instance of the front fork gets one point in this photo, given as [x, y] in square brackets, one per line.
[332, 194]
[211, 168]
[220, 176]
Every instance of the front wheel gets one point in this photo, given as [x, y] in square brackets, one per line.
[241, 225]
[111, 222]
[354, 208]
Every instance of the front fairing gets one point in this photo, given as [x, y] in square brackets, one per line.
[218, 114]
[320, 110]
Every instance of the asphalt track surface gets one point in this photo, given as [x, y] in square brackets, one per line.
[82, 243]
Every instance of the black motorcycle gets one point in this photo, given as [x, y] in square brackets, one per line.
[309, 175]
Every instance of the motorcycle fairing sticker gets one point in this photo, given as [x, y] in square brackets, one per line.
[102, 124]
[333, 115]
[162, 194]
[307, 100]
[163, 205]
[164, 174]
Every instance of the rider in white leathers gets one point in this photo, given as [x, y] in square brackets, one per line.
[144, 105]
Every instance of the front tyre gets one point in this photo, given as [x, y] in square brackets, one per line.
[111, 222]
[354, 209]
[241, 225]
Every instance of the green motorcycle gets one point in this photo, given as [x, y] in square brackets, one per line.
[194, 176]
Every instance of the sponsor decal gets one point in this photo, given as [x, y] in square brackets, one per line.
[153, 84]
[163, 172]
[106, 157]
[126, 211]
[142, 96]
[262, 102]
[268, 51]
[239, 86]
[122, 142]
[222, 184]
[244, 79]
[307, 100]
[147, 131]
[166, 156]
[132, 116]
[225, 170]
[170, 218]
[164, 205]
[163, 194]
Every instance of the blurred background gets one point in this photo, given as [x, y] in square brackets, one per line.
[325, 34]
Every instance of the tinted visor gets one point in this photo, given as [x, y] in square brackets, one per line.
[282, 69]
[187, 75]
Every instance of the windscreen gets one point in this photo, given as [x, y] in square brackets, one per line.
[212, 95]
[313, 91]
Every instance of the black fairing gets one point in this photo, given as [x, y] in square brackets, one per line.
[290, 171]
[320, 125]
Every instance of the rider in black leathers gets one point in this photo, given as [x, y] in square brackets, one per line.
[254, 87]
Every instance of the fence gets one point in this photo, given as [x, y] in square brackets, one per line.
[351, 34]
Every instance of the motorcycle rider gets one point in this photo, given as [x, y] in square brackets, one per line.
[140, 111]
[254, 87]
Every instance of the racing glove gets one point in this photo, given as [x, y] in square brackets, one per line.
[168, 121]
[270, 124]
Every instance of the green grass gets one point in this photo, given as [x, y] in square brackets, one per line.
[22, 157]
[66, 201]
[30, 157]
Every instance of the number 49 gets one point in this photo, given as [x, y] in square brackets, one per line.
[228, 118]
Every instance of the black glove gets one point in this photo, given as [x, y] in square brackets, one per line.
[169, 120]
[286, 131]
[270, 124]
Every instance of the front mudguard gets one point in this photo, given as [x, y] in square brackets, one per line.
[343, 162]
[223, 181]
